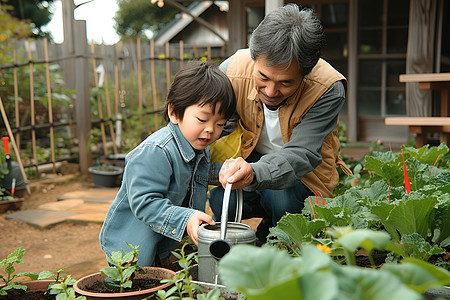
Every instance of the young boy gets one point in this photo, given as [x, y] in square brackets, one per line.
[165, 180]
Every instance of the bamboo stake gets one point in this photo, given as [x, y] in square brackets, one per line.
[116, 90]
[181, 54]
[139, 75]
[167, 66]
[49, 104]
[195, 51]
[116, 74]
[152, 69]
[208, 49]
[16, 97]
[108, 107]
[99, 101]
[33, 121]
[13, 142]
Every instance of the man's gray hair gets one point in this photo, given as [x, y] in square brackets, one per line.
[288, 33]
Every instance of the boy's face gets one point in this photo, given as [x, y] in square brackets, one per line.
[276, 83]
[200, 126]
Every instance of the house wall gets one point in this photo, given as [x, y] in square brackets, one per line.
[194, 33]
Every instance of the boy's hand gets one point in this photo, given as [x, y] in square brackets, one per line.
[193, 225]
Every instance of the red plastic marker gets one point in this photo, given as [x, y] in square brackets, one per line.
[407, 182]
[6, 144]
[13, 186]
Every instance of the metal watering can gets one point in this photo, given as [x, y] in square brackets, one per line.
[214, 241]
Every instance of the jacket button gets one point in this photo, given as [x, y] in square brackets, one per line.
[174, 231]
[244, 142]
[257, 126]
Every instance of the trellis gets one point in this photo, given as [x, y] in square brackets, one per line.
[119, 62]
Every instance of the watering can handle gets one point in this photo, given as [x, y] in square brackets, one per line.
[225, 204]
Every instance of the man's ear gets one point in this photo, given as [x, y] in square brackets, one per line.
[173, 118]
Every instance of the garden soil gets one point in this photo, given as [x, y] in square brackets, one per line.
[72, 246]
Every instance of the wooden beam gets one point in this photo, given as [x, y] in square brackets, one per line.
[418, 121]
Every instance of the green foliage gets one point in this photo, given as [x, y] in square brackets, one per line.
[8, 263]
[183, 287]
[137, 18]
[268, 273]
[10, 27]
[62, 288]
[292, 230]
[125, 264]
[419, 219]
[36, 12]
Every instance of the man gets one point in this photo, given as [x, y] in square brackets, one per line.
[288, 100]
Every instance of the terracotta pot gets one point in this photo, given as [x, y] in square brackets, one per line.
[14, 204]
[150, 272]
[33, 286]
[38, 285]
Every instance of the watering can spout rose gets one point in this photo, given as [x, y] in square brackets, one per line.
[212, 247]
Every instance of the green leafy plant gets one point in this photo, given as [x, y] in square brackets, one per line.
[417, 219]
[62, 288]
[184, 287]
[8, 263]
[270, 273]
[124, 265]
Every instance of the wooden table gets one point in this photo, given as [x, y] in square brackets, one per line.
[422, 126]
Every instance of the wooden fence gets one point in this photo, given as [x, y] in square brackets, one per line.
[128, 83]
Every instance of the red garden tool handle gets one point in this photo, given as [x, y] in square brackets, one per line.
[6, 144]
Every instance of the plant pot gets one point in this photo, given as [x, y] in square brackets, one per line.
[13, 204]
[117, 159]
[105, 176]
[35, 290]
[83, 285]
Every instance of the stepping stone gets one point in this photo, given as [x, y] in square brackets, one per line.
[88, 218]
[63, 205]
[39, 217]
[89, 207]
[105, 195]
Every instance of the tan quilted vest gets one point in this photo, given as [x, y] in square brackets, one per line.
[240, 71]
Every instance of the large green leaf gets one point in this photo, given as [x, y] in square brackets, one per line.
[382, 210]
[111, 272]
[441, 218]
[418, 275]
[364, 238]
[413, 214]
[428, 155]
[387, 165]
[370, 284]
[418, 247]
[259, 271]
[297, 226]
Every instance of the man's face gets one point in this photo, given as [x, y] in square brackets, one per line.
[276, 83]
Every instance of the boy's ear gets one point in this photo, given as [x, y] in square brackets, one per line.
[173, 118]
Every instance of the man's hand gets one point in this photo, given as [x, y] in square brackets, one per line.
[193, 225]
[236, 171]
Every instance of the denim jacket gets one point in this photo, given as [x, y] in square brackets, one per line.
[157, 177]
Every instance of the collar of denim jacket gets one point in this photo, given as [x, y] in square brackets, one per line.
[187, 152]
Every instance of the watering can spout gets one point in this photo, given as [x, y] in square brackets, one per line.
[220, 247]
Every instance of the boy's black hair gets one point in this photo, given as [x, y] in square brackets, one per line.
[203, 83]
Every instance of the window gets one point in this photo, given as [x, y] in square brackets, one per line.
[382, 45]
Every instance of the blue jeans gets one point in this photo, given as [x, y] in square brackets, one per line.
[268, 204]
